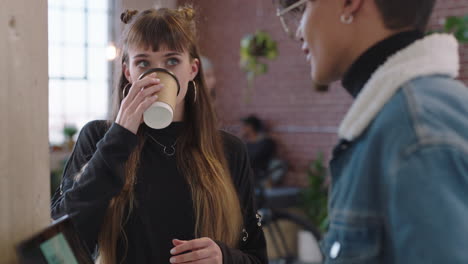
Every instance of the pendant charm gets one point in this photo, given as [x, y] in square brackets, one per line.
[172, 149]
[171, 152]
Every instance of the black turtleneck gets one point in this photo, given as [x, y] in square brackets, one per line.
[362, 69]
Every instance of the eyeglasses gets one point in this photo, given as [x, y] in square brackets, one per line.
[290, 14]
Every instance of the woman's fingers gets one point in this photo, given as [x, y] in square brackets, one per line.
[136, 88]
[143, 106]
[143, 94]
[192, 256]
[191, 245]
[197, 251]
[138, 85]
[177, 242]
[204, 261]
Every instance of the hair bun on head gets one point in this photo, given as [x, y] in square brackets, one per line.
[127, 16]
[187, 11]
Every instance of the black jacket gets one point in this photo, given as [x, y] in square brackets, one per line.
[152, 224]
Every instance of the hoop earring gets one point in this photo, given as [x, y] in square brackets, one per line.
[347, 19]
[125, 90]
[195, 91]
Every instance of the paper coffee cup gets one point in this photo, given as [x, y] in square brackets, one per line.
[161, 113]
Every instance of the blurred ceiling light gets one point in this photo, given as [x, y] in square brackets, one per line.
[111, 52]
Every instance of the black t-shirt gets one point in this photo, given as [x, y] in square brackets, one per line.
[163, 209]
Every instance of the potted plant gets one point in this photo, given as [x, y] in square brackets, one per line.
[314, 204]
[69, 131]
[255, 49]
[315, 196]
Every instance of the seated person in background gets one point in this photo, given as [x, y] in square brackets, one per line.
[260, 147]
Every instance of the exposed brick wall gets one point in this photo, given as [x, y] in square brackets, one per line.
[445, 8]
[301, 119]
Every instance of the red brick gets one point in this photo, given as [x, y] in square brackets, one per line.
[283, 96]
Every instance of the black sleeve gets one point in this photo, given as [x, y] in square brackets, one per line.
[86, 199]
[252, 246]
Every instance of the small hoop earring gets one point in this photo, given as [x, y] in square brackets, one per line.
[195, 91]
[125, 90]
[347, 19]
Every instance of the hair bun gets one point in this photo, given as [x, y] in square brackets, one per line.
[187, 11]
[127, 16]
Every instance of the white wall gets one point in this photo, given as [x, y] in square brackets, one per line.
[24, 155]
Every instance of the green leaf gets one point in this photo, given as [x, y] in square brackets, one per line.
[252, 48]
[462, 35]
[458, 26]
[263, 68]
[272, 53]
[69, 130]
[315, 197]
[451, 23]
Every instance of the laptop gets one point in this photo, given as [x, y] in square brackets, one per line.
[57, 244]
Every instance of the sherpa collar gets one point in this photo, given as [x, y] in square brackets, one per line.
[434, 54]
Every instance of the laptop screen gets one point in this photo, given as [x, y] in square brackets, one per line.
[57, 244]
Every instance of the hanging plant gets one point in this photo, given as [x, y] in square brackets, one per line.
[458, 26]
[255, 48]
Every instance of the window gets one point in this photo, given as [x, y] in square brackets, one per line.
[78, 68]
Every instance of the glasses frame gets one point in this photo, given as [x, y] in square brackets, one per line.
[280, 13]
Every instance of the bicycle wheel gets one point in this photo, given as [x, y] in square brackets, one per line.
[282, 230]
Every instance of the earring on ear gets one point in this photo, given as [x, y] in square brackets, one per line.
[347, 19]
[126, 90]
[194, 91]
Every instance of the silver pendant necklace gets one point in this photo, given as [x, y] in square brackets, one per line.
[172, 149]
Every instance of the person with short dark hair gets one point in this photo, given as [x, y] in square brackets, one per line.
[260, 147]
[400, 170]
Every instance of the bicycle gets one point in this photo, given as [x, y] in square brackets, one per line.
[274, 216]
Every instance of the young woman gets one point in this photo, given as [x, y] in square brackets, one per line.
[182, 194]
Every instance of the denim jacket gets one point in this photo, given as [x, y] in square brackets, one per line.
[399, 190]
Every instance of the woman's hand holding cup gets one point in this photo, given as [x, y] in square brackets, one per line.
[141, 96]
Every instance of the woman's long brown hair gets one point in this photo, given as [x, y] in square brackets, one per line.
[200, 150]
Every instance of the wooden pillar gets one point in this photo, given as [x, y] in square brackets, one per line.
[24, 155]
